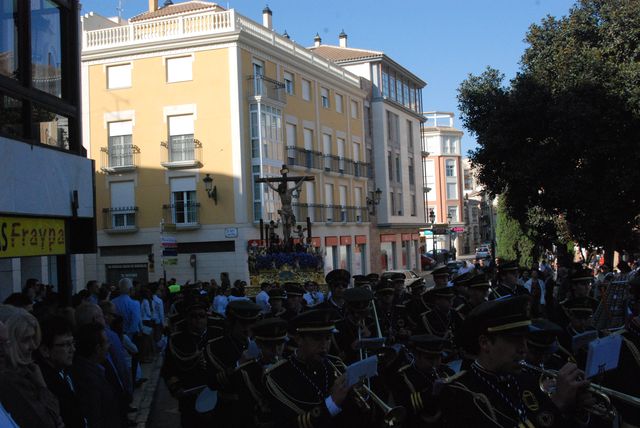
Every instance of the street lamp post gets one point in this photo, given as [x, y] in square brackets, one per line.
[432, 219]
[449, 229]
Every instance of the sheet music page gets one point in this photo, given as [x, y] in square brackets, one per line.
[603, 355]
[361, 370]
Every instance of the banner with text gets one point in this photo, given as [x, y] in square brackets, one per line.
[26, 236]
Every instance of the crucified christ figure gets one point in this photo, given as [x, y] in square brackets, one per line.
[286, 199]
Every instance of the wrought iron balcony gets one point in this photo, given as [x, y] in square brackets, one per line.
[120, 219]
[119, 158]
[331, 213]
[264, 87]
[183, 215]
[305, 158]
[182, 151]
[315, 160]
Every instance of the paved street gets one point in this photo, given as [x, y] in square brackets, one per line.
[164, 410]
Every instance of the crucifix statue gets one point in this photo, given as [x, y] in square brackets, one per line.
[286, 197]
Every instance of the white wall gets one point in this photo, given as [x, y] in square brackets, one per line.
[362, 70]
[27, 189]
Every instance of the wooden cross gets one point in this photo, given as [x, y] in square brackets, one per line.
[286, 197]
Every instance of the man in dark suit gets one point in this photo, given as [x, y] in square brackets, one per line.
[55, 357]
[96, 395]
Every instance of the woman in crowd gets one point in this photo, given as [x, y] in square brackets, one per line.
[23, 391]
[147, 343]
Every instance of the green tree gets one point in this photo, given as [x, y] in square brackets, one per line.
[560, 140]
[512, 243]
[508, 233]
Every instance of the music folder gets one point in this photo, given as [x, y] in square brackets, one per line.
[603, 355]
[362, 370]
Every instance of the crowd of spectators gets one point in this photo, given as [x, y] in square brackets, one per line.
[77, 365]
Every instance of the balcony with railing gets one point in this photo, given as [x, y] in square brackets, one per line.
[183, 215]
[120, 219]
[263, 87]
[331, 213]
[172, 28]
[119, 158]
[181, 152]
[310, 159]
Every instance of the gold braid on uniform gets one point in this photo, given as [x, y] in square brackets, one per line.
[478, 397]
[425, 322]
[253, 391]
[481, 398]
[304, 419]
[190, 360]
[221, 376]
[414, 396]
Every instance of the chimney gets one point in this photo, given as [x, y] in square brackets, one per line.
[317, 41]
[153, 5]
[343, 39]
[266, 18]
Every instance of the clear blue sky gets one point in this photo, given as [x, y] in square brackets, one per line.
[440, 41]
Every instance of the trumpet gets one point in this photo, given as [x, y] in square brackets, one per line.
[603, 406]
[393, 416]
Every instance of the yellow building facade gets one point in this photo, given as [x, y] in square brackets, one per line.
[191, 93]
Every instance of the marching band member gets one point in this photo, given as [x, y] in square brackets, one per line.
[415, 305]
[184, 367]
[293, 305]
[392, 319]
[508, 281]
[477, 292]
[276, 299]
[252, 408]
[337, 280]
[357, 324]
[495, 392]
[438, 319]
[223, 353]
[414, 386]
[304, 390]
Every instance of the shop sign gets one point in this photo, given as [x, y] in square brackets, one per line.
[26, 236]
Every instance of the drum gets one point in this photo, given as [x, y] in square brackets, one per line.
[206, 401]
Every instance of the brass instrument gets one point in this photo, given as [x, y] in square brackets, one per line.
[375, 316]
[393, 416]
[602, 407]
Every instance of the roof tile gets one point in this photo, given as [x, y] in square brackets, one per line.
[176, 9]
[338, 54]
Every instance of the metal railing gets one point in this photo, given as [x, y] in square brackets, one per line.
[331, 213]
[261, 86]
[196, 25]
[182, 214]
[118, 157]
[316, 160]
[120, 219]
[181, 151]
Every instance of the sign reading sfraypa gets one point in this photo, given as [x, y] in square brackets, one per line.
[26, 236]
